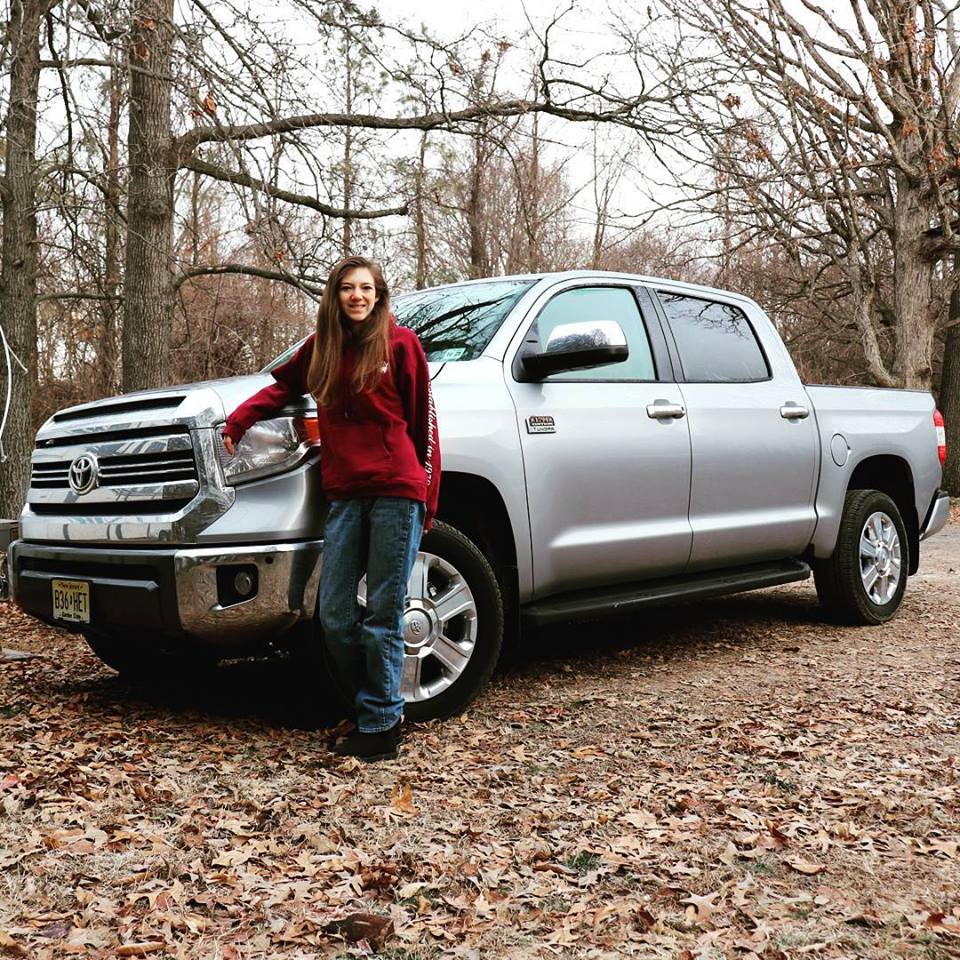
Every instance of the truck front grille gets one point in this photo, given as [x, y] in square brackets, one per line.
[122, 470]
[137, 471]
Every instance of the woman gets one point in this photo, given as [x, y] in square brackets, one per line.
[380, 472]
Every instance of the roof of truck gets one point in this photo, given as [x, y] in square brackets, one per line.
[588, 274]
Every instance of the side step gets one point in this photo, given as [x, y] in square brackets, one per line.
[627, 597]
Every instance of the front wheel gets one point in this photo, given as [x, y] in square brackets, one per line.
[864, 580]
[452, 626]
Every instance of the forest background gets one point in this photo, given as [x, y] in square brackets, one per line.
[178, 177]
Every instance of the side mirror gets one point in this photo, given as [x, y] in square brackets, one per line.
[575, 346]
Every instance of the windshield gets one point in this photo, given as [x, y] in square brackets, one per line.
[457, 323]
[453, 323]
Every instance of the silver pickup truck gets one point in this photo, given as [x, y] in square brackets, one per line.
[609, 441]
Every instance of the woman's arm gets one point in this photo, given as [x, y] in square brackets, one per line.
[290, 382]
[413, 381]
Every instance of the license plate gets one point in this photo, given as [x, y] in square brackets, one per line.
[71, 600]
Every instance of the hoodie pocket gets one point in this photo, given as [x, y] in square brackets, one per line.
[354, 454]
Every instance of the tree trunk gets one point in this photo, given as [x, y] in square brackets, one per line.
[533, 201]
[348, 158]
[148, 300]
[913, 291]
[418, 222]
[950, 396]
[474, 210]
[107, 353]
[18, 259]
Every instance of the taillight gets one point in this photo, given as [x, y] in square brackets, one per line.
[941, 436]
[308, 429]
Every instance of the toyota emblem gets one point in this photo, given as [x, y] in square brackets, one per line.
[84, 473]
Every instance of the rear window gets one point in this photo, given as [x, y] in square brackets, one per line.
[715, 340]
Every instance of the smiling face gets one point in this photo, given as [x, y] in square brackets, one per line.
[357, 294]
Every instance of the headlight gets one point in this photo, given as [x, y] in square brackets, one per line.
[270, 446]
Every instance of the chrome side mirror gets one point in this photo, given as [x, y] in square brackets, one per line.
[576, 346]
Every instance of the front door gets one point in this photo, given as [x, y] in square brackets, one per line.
[606, 450]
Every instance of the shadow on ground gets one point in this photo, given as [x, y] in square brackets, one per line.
[288, 694]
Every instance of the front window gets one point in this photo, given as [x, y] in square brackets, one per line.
[453, 323]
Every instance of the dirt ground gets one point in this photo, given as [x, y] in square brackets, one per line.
[735, 778]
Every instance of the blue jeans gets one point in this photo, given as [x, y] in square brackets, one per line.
[379, 537]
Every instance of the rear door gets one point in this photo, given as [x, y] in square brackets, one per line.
[753, 433]
[607, 476]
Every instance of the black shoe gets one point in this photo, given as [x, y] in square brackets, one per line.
[370, 747]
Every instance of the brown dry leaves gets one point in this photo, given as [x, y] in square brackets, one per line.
[733, 779]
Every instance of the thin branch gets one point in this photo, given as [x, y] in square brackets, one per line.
[253, 183]
[189, 273]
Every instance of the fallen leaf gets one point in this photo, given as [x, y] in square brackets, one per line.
[363, 926]
[140, 949]
[936, 921]
[866, 918]
[401, 798]
[701, 908]
[56, 931]
[807, 867]
[10, 947]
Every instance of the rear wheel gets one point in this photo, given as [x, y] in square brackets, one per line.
[865, 578]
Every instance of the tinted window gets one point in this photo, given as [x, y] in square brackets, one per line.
[601, 303]
[715, 340]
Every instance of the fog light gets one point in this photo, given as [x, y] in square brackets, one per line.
[243, 583]
[237, 583]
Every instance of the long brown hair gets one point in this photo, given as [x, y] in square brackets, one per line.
[371, 338]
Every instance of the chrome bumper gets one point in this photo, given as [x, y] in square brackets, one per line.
[937, 517]
[175, 591]
[288, 577]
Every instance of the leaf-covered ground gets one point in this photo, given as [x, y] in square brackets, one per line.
[727, 779]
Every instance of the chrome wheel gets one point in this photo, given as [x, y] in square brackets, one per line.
[439, 627]
[880, 558]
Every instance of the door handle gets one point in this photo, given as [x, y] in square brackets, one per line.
[793, 411]
[664, 410]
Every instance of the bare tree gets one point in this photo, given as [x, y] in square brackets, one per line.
[18, 266]
[832, 132]
[836, 136]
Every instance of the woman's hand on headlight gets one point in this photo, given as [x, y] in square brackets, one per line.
[229, 445]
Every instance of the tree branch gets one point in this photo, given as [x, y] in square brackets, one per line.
[75, 62]
[189, 273]
[79, 295]
[185, 145]
[253, 183]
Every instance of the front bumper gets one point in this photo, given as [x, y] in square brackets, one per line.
[937, 516]
[175, 592]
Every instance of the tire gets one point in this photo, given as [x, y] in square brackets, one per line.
[137, 663]
[453, 626]
[863, 581]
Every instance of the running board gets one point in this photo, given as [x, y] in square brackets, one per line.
[625, 598]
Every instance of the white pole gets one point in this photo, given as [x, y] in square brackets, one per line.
[7, 355]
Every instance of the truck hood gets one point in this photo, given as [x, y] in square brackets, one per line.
[234, 390]
[229, 391]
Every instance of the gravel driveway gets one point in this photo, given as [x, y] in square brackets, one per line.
[735, 778]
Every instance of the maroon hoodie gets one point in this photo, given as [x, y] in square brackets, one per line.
[379, 443]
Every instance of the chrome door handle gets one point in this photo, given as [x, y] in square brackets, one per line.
[793, 411]
[664, 410]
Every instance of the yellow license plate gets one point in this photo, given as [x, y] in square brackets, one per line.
[71, 600]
